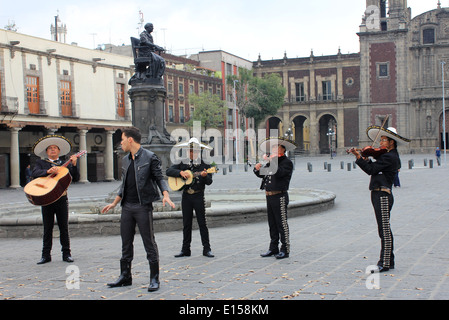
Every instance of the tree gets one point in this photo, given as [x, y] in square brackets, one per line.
[256, 97]
[209, 110]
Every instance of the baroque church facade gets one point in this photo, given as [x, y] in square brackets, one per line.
[398, 73]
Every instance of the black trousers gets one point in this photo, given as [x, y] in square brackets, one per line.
[60, 208]
[132, 214]
[382, 204]
[189, 203]
[277, 222]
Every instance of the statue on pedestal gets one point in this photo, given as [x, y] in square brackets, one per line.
[149, 66]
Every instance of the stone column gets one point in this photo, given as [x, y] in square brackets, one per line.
[14, 159]
[83, 160]
[109, 157]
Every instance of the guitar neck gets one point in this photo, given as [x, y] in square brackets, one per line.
[79, 154]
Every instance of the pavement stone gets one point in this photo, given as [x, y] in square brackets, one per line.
[330, 250]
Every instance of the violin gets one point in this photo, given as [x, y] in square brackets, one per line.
[369, 151]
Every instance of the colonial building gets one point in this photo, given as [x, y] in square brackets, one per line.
[331, 100]
[50, 87]
[320, 111]
[402, 66]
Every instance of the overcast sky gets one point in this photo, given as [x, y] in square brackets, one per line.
[244, 27]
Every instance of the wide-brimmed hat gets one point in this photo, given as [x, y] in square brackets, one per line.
[390, 132]
[268, 143]
[193, 143]
[41, 145]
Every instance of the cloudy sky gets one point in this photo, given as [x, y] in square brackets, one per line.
[244, 27]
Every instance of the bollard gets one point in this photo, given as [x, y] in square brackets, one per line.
[224, 171]
[309, 166]
[349, 166]
[329, 167]
[246, 168]
[430, 163]
[230, 168]
[410, 164]
[425, 162]
[342, 164]
[325, 165]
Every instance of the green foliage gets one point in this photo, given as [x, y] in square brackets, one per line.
[209, 110]
[258, 97]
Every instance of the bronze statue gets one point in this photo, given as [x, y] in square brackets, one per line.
[148, 64]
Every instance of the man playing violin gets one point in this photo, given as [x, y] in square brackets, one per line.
[276, 175]
[382, 171]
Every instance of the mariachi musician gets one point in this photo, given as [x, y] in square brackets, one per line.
[382, 171]
[276, 175]
[193, 195]
[50, 148]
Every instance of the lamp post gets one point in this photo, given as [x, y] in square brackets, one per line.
[289, 136]
[330, 133]
[235, 127]
[444, 112]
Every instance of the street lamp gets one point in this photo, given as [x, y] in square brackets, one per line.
[330, 133]
[444, 112]
[235, 127]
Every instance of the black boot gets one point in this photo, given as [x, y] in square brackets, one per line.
[154, 276]
[125, 278]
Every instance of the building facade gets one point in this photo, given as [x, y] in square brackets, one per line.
[398, 73]
[320, 111]
[48, 87]
[403, 61]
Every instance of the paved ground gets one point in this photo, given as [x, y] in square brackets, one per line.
[330, 251]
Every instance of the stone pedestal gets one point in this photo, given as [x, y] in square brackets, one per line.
[147, 101]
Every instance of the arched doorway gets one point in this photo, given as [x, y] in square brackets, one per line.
[301, 133]
[274, 123]
[328, 134]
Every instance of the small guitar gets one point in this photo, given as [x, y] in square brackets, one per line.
[46, 190]
[177, 183]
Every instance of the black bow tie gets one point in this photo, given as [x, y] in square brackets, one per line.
[56, 162]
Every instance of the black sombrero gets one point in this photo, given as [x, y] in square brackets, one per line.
[390, 132]
[41, 145]
[266, 145]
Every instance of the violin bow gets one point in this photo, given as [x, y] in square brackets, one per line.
[383, 124]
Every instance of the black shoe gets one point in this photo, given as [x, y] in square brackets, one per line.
[44, 260]
[282, 255]
[125, 278]
[269, 253]
[154, 277]
[208, 254]
[68, 259]
[182, 254]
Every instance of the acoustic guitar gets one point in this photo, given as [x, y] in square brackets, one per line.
[46, 190]
[177, 183]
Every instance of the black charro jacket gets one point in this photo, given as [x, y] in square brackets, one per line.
[149, 177]
[276, 178]
[41, 167]
[199, 183]
[383, 170]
